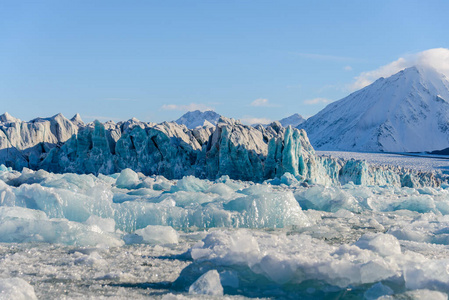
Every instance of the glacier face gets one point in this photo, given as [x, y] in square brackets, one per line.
[407, 112]
[242, 152]
[23, 144]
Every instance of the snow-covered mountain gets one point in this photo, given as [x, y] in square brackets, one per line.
[294, 120]
[193, 119]
[407, 112]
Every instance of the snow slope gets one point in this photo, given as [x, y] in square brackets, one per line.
[294, 120]
[193, 119]
[407, 112]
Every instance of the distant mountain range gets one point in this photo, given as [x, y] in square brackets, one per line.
[193, 119]
[407, 112]
[294, 120]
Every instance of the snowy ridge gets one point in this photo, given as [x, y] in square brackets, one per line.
[294, 120]
[193, 119]
[407, 112]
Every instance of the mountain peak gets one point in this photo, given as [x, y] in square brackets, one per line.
[193, 119]
[401, 113]
[7, 118]
[77, 119]
[293, 120]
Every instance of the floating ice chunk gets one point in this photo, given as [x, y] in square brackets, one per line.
[277, 269]
[190, 184]
[421, 204]
[384, 244]
[423, 294]
[76, 182]
[174, 297]
[17, 289]
[240, 247]
[377, 290]
[21, 213]
[280, 259]
[233, 184]
[29, 177]
[128, 179]
[3, 168]
[64, 203]
[186, 199]
[424, 274]
[377, 269]
[263, 207]
[106, 225]
[158, 235]
[91, 259]
[207, 284]
[109, 179]
[21, 225]
[288, 179]
[409, 234]
[327, 199]
[221, 189]
[119, 276]
[162, 184]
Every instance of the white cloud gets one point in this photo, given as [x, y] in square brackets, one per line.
[347, 68]
[252, 120]
[189, 107]
[261, 102]
[437, 58]
[317, 101]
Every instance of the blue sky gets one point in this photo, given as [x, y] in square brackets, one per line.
[245, 59]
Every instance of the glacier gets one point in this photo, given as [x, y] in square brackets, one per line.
[171, 150]
[144, 210]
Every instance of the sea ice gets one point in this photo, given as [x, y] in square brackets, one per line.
[155, 234]
[17, 289]
[127, 179]
[280, 238]
[207, 284]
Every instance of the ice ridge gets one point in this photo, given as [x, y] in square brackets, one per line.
[230, 148]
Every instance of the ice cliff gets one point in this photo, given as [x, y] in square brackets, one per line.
[230, 148]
